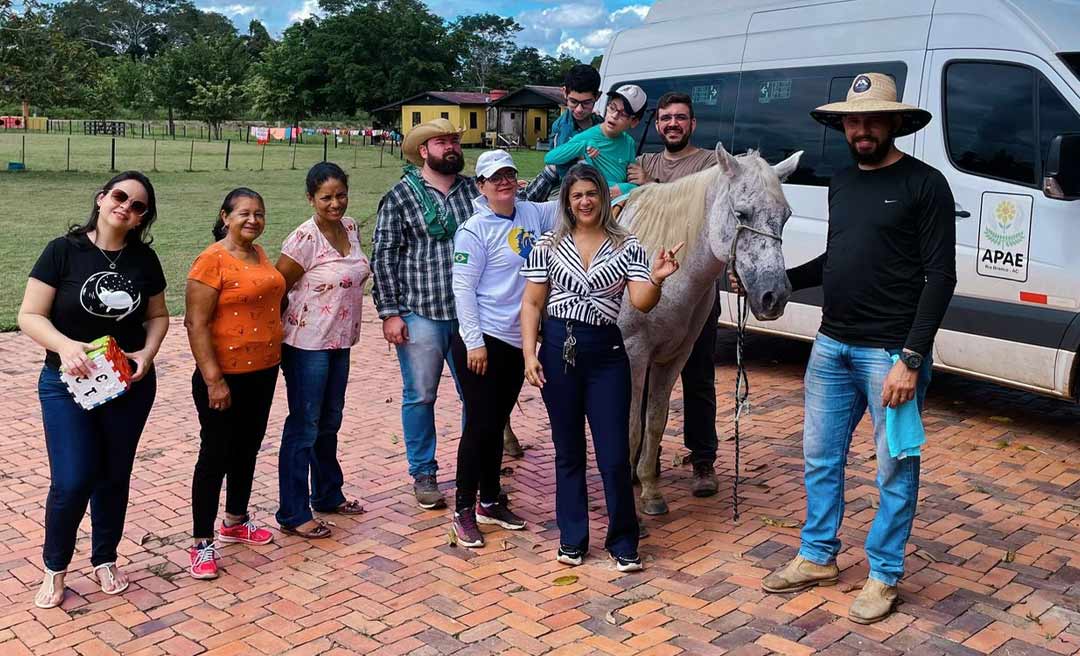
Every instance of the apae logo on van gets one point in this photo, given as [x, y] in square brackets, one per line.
[1004, 236]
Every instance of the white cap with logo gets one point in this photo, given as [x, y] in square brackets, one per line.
[634, 96]
[490, 162]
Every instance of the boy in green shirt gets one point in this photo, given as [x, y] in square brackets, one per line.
[607, 146]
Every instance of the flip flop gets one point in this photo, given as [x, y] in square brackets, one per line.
[46, 602]
[109, 578]
[320, 531]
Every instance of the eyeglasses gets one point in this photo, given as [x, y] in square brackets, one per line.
[574, 102]
[616, 113]
[504, 176]
[120, 197]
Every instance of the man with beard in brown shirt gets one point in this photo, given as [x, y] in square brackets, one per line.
[675, 124]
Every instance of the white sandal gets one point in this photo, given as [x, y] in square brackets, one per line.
[46, 601]
[110, 578]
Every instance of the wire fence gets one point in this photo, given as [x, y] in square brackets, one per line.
[56, 151]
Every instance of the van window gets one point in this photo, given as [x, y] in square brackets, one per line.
[990, 128]
[1055, 117]
[1072, 60]
[773, 115]
[995, 130]
[713, 97]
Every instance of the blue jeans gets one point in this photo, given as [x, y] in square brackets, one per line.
[421, 360]
[841, 382]
[315, 383]
[91, 453]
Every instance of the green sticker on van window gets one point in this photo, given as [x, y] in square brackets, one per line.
[773, 90]
[708, 94]
[461, 258]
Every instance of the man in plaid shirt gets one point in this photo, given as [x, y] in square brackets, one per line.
[412, 259]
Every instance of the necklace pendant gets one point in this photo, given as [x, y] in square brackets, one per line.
[112, 265]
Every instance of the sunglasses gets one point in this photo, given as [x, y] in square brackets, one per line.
[501, 177]
[120, 197]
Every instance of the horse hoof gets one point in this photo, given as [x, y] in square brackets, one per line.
[654, 507]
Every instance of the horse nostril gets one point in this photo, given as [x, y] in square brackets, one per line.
[768, 301]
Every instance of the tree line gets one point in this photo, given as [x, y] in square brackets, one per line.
[144, 59]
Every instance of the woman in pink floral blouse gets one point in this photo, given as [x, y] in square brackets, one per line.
[325, 271]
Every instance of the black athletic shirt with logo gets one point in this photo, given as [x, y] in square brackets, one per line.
[889, 266]
[93, 300]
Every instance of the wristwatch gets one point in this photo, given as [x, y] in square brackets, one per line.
[911, 359]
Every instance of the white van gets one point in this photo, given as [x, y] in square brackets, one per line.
[1002, 79]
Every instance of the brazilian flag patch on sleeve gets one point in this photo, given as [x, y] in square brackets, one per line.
[461, 258]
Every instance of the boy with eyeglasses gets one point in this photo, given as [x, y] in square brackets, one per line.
[607, 146]
[581, 87]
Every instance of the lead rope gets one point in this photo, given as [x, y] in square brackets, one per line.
[742, 381]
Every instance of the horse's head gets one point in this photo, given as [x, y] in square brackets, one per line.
[750, 195]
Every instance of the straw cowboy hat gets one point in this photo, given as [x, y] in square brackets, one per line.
[872, 93]
[419, 135]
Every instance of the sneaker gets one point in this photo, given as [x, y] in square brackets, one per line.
[426, 489]
[704, 483]
[465, 529]
[570, 555]
[627, 563]
[500, 515]
[245, 533]
[203, 561]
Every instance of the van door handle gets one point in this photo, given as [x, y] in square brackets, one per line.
[960, 212]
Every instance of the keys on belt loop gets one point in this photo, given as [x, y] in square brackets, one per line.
[568, 348]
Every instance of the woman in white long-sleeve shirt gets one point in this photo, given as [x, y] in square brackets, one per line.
[489, 251]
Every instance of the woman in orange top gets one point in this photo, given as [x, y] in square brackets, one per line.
[233, 320]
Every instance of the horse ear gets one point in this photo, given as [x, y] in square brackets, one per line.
[788, 166]
[726, 161]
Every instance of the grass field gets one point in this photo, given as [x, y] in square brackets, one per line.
[40, 204]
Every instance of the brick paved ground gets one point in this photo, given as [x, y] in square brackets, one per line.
[995, 568]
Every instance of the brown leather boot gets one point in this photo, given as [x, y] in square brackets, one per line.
[705, 483]
[511, 446]
[874, 603]
[800, 574]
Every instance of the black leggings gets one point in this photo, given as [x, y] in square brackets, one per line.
[230, 442]
[488, 399]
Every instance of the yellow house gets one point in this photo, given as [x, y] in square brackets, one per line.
[464, 109]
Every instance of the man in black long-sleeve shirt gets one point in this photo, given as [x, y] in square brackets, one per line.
[888, 272]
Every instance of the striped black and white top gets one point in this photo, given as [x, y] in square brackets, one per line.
[591, 296]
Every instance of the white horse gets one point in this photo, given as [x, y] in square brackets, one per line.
[737, 207]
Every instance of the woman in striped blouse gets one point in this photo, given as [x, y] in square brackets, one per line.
[586, 263]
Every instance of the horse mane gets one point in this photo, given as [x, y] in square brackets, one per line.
[673, 212]
[666, 214]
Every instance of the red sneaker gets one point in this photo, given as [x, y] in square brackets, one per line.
[245, 533]
[203, 561]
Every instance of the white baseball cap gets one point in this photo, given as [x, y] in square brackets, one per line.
[491, 161]
[632, 94]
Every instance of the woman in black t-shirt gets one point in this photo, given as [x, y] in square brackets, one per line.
[102, 278]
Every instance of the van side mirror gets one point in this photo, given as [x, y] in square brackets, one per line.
[1061, 179]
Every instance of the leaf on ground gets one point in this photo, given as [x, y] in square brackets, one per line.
[506, 471]
[873, 500]
[779, 522]
[394, 439]
[1009, 557]
[613, 619]
[146, 538]
[926, 555]
[451, 539]
[1002, 444]
[680, 459]
[1000, 419]
[565, 580]
[1028, 447]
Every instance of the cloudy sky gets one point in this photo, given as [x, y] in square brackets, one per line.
[581, 29]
